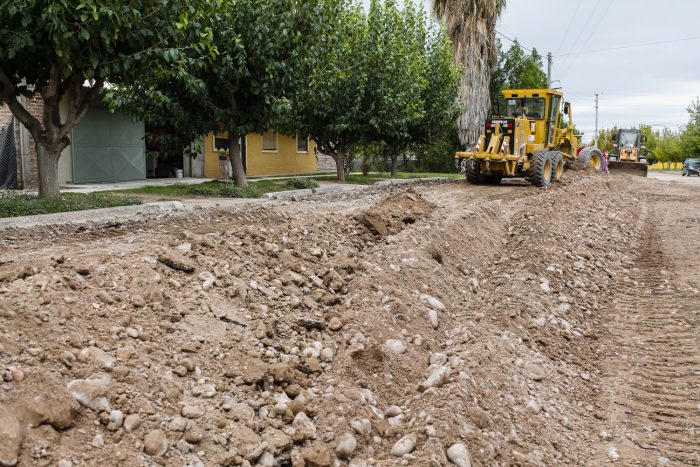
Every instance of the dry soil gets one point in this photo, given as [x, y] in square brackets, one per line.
[435, 325]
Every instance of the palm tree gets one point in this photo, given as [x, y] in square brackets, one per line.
[471, 26]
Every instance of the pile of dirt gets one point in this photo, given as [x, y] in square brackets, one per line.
[423, 328]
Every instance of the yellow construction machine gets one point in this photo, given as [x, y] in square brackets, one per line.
[629, 155]
[528, 139]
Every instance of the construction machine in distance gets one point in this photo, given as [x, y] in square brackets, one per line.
[528, 139]
[629, 155]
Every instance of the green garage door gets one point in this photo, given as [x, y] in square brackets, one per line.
[108, 147]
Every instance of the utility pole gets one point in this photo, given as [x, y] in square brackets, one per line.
[595, 137]
[549, 70]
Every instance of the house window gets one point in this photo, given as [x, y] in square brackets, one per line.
[269, 141]
[220, 143]
[302, 144]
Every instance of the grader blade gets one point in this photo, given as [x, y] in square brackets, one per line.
[638, 169]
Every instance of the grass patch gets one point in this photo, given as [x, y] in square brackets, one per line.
[13, 204]
[211, 189]
[300, 183]
[359, 179]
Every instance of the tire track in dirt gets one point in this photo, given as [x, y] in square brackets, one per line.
[652, 374]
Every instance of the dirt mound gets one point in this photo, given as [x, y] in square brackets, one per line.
[444, 321]
[394, 213]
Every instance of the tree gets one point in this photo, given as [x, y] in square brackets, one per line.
[471, 26]
[690, 136]
[328, 106]
[397, 75]
[246, 88]
[516, 70]
[51, 48]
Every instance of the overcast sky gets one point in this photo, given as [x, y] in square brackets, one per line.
[592, 43]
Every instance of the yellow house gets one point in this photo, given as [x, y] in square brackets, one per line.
[271, 153]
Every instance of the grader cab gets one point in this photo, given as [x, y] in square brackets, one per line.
[528, 139]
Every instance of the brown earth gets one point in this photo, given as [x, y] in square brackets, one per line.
[438, 324]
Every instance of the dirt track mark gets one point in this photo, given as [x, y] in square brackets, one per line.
[653, 371]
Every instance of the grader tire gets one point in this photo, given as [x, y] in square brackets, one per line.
[557, 165]
[591, 157]
[473, 171]
[540, 173]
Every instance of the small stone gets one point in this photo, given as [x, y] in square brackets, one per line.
[327, 355]
[613, 453]
[396, 346]
[180, 370]
[433, 318]
[155, 443]
[411, 263]
[194, 434]
[362, 425]
[345, 445]
[544, 286]
[178, 424]
[432, 302]
[98, 441]
[404, 446]
[304, 427]
[65, 463]
[585, 376]
[436, 379]
[183, 446]
[535, 372]
[91, 392]
[132, 422]
[11, 437]
[316, 455]
[533, 406]
[459, 455]
[539, 322]
[335, 324]
[117, 417]
[192, 411]
[356, 349]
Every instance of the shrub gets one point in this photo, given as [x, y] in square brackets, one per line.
[233, 191]
[301, 183]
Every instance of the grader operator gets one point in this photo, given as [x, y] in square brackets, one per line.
[529, 139]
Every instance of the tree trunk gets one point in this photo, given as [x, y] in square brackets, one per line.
[239, 176]
[340, 166]
[47, 162]
[394, 163]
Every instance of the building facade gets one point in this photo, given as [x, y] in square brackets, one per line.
[270, 153]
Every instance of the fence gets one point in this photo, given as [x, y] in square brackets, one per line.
[8, 157]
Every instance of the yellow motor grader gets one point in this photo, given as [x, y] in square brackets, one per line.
[529, 139]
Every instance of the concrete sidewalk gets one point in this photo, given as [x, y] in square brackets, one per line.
[109, 186]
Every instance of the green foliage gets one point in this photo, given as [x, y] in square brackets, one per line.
[516, 70]
[691, 133]
[232, 191]
[52, 47]
[300, 183]
[385, 78]
[14, 204]
[245, 88]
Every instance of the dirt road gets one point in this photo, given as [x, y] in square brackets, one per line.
[436, 325]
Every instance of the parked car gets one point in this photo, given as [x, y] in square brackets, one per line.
[691, 167]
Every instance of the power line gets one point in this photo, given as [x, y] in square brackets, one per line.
[568, 26]
[631, 46]
[583, 28]
[514, 41]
